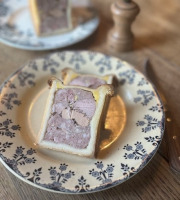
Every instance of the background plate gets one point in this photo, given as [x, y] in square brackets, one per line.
[16, 28]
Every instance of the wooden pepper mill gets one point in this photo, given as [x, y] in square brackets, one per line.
[120, 38]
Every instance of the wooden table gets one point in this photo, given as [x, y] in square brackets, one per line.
[157, 31]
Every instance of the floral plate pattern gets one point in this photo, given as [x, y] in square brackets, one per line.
[22, 102]
[16, 29]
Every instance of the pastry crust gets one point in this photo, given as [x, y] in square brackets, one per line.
[101, 96]
[67, 75]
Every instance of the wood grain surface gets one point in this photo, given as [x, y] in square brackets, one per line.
[157, 36]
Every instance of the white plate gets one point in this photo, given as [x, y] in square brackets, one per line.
[134, 124]
[16, 28]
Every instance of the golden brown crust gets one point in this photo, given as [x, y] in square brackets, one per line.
[110, 89]
[65, 72]
[115, 81]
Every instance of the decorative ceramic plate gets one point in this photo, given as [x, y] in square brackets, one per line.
[133, 128]
[16, 28]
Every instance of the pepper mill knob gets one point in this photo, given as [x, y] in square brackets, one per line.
[120, 38]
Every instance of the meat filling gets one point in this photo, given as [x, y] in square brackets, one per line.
[71, 113]
[87, 81]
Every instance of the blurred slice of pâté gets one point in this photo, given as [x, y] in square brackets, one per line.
[51, 17]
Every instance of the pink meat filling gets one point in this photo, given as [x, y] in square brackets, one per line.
[69, 123]
[87, 81]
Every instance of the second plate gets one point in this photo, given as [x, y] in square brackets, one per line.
[16, 28]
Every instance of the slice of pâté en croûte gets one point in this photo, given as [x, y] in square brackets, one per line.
[73, 118]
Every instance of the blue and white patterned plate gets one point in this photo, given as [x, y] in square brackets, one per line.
[135, 124]
[16, 28]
